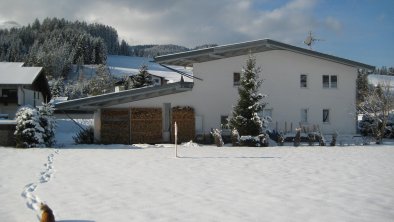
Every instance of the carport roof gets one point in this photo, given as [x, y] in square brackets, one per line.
[95, 102]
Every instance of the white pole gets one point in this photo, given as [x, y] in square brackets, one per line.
[176, 140]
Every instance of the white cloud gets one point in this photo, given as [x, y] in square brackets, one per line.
[333, 24]
[185, 22]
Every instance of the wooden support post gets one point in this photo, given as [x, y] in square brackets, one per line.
[176, 139]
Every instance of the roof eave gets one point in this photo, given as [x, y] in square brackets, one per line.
[320, 55]
[218, 52]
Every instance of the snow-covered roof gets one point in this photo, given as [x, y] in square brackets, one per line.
[58, 99]
[381, 79]
[13, 73]
[130, 65]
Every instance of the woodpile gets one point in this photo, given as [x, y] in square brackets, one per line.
[146, 125]
[115, 126]
[184, 117]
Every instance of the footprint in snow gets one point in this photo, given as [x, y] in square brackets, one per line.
[31, 187]
[33, 201]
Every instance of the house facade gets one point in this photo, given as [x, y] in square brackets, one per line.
[19, 86]
[304, 88]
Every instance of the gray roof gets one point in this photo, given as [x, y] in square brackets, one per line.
[13, 73]
[237, 49]
[110, 99]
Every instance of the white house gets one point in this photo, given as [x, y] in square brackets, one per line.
[19, 86]
[304, 88]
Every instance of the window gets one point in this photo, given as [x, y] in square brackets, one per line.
[224, 122]
[303, 81]
[236, 78]
[8, 96]
[330, 81]
[333, 81]
[10, 93]
[326, 81]
[326, 115]
[304, 115]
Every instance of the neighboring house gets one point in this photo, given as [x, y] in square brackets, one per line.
[156, 81]
[120, 66]
[19, 86]
[304, 88]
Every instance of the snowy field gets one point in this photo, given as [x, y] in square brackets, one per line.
[147, 183]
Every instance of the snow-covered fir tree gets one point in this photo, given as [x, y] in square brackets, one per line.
[103, 82]
[362, 86]
[57, 87]
[29, 132]
[48, 123]
[245, 118]
[142, 79]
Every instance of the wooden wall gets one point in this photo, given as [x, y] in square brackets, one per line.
[185, 119]
[144, 125]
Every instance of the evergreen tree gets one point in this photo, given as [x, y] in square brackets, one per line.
[124, 48]
[57, 88]
[142, 79]
[245, 118]
[29, 132]
[48, 123]
[102, 82]
[362, 86]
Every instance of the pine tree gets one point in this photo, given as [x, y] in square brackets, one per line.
[245, 118]
[142, 79]
[48, 123]
[29, 132]
[362, 86]
[103, 82]
[57, 88]
[124, 48]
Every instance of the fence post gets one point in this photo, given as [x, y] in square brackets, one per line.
[176, 139]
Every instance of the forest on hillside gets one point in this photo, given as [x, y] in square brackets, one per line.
[56, 44]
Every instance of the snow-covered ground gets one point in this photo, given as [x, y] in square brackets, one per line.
[147, 183]
[86, 183]
[66, 129]
[120, 66]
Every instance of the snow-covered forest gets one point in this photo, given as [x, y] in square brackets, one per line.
[55, 44]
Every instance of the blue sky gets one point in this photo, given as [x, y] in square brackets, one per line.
[366, 33]
[361, 30]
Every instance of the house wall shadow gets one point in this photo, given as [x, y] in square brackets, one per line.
[233, 157]
[75, 221]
